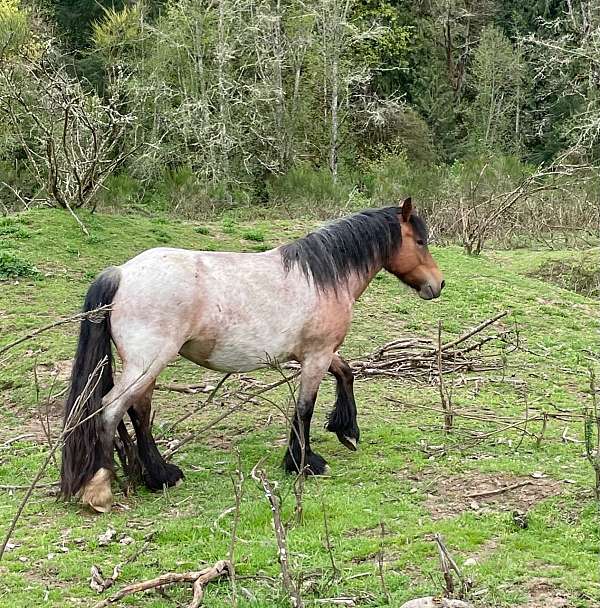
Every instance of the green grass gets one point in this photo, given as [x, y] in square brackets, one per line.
[388, 480]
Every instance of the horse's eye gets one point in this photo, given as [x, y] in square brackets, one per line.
[420, 242]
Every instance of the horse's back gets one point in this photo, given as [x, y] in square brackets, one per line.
[227, 311]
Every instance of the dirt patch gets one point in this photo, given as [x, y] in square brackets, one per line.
[488, 492]
[542, 594]
[56, 372]
[219, 442]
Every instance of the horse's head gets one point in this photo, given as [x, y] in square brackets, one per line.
[411, 262]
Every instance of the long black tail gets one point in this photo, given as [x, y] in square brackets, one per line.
[81, 455]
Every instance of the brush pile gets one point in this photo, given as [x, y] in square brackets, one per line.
[418, 359]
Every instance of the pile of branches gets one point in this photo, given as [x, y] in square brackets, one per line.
[422, 360]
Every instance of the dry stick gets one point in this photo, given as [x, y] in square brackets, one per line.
[200, 578]
[72, 319]
[543, 430]
[475, 330]
[334, 568]
[232, 410]
[238, 488]
[26, 487]
[12, 440]
[514, 486]
[591, 429]
[444, 565]
[384, 588]
[45, 429]
[280, 536]
[447, 564]
[81, 400]
[187, 389]
[446, 405]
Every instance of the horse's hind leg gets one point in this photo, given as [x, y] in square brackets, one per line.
[299, 456]
[132, 385]
[342, 419]
[157, 472]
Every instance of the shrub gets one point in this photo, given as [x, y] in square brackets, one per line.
[12, 266]
[254, 234]
[309, 188]
[13, 228]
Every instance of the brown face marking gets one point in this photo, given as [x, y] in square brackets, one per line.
[413, 264]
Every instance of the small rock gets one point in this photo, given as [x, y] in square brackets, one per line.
[471, 561]
[23, 559]
[537, 475]
[126, 540]
[107, 537]
[520, 518]
[474, 505]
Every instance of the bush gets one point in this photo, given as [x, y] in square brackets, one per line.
[13, 228]
[12, 266]
[582, 276]
[254, 234]
[310, 189]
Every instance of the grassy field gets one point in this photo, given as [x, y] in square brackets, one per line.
[396, 478]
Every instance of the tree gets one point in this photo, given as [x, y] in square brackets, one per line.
[498, 87]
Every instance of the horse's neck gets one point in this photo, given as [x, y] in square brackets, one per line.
[357, 283]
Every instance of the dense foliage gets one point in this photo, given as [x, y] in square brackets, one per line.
[190, 105]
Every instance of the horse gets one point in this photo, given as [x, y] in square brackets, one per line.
[229, 312]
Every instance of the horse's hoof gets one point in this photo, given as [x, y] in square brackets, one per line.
[350, 442]
[316, 465]
[97, 493]
[165, 475]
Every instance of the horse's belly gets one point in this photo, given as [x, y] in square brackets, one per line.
[238, 353]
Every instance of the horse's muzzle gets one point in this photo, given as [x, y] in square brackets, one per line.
[430, 292]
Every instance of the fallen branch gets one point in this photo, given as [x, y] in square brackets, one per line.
[421, 359]
[514, 486]
[199, 578]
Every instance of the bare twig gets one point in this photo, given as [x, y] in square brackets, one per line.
[335, 570]
[444, 396]
[96, 314]
[238, 488]
[499, 490]
[280, 535]
[448, 565]
[380, 567]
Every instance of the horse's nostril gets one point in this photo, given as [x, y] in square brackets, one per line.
[443, 284]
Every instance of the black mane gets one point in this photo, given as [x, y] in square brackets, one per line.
[355, 243]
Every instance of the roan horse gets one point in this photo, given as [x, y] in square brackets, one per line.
[231, 312]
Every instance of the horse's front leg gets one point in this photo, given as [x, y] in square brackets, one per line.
[299, 456]
[342, 419]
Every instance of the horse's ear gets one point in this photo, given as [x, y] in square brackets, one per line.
[406, 209]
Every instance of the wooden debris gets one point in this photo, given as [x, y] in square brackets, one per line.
[423, 360]
[199, 579]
